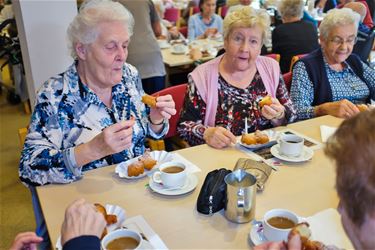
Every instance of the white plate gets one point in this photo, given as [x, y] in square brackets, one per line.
[256, 234]
[191, 183]
[307, 154]
[272, 135]
[164, 45]
[159, 156]
[111, 209]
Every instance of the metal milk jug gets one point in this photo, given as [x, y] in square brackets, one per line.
[241, 192]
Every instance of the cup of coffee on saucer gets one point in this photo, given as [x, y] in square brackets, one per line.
[171, 175]
[277, 224]
[291, 145]
[122, 239]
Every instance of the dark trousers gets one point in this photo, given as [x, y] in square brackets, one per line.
[153, 84]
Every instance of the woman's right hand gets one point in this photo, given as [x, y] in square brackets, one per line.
[218, 137]
[111, 140]
[342, 109]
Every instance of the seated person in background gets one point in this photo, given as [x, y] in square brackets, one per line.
[360, 8]
[242, 3]
[82, 228]
[352, 149]
[325, 5]
[308, 18]
[331, 80]
[367, 20]
[294, 36]
[206, 23]
[225, 91]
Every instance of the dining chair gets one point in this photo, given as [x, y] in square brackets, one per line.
[364, 44]
[178, 94]
[295, 59]
[222, 11]
[288, 80]
[22, 132]
[274, 56]
[194, 10]
[183, 30]
[173, 16]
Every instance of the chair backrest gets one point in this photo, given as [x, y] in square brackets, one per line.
[288, 80]
[222, 11]
[364, 45]
[274, 56]
[295, 59]
[22, 133]
[193, 10]
[173, 16]
[183, 30]
[178, 94]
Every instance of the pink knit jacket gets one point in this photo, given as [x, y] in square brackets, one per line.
[206, 77]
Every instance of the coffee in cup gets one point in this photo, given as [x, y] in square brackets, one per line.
[171, 174]
[291, 145]
[122, 239]
[277, 224]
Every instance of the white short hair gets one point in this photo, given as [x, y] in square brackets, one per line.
[83, 28]
[291, 8]
[247, 17]
[336, 18]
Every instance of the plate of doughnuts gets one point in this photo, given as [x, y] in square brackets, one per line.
[141, 166]
[259, 139]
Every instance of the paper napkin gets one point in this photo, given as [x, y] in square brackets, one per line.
[326, 132]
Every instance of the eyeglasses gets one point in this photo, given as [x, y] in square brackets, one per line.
[339, 41]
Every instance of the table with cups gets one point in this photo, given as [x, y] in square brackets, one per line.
[176, 54]
[303, 188]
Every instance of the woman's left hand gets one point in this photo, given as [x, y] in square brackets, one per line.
[165, 108]
[274, 111]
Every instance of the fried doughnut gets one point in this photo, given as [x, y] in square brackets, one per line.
[265, 101]
[362, 107]
[148, 163]
[101, 209]
[248, 139]
[136, 169]
[149, 100]
[305, 233]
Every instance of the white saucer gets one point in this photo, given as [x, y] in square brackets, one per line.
[145, 245]
[256, 234]
[307, 154]
[191, 183]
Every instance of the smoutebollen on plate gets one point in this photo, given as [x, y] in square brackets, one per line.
[159, 156]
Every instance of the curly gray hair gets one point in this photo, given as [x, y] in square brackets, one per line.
[291, 8]
[336, 18]
[83, 28]
[247, 17]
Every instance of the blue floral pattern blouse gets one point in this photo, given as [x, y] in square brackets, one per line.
[67, 113]
[345, 84]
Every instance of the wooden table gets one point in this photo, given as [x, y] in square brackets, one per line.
[173, 60]
[305, 188]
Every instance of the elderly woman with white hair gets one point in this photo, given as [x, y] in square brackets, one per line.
[226, 91]
[294, 36]
[332, 80]
[91, 115]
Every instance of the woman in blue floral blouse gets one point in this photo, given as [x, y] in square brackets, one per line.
[91, 115]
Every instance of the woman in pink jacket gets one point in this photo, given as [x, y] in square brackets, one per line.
[225, 91]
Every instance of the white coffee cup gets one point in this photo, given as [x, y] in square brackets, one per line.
[171, 174]
[179, 48]
[273, 233]
[291, 145]
[120, 233]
